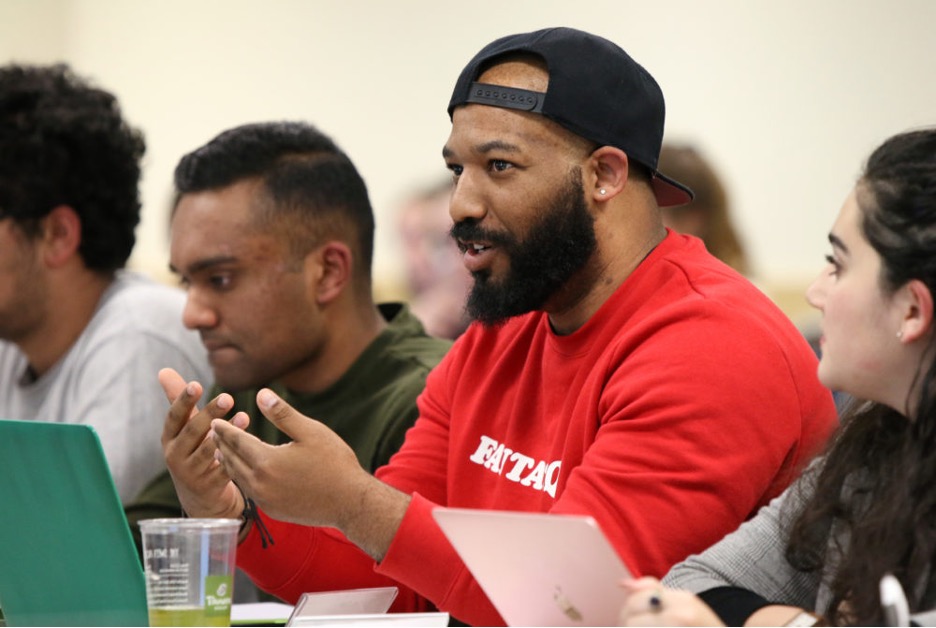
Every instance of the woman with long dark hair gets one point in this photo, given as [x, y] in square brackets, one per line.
[816, 555]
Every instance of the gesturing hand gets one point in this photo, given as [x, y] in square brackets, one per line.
[314, 480]
[204, 489]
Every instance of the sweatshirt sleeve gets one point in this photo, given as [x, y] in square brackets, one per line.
[303, 559]
[419, 558]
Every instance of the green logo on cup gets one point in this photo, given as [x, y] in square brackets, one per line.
[218, 595]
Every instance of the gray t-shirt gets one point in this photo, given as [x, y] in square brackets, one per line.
[108, 378]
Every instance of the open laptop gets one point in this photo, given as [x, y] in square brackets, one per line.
[539, 569]
[66, 554]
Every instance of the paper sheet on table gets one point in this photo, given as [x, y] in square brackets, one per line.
[351, 604]
[369, 601]
[260, 613]
[378, 620]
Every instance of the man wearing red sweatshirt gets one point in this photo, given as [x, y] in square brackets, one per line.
[615, 368]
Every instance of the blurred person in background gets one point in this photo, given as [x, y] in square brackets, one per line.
[436, 278]
[708, 215]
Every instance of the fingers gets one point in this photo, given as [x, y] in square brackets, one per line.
[648, 603]
[201, 462]
[632, 585]
[201, 482]
[240, 420]
[186, 428]
[286, 418]
[316, 459]
[172, 383]
[182, 406]
[195, 431]
[237, 451]
[644, 602]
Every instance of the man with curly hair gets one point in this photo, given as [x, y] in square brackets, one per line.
[80, 338]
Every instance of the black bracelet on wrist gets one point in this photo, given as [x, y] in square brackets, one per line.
[250, 515]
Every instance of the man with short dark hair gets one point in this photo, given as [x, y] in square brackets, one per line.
[616, 370]
[272, 236]
[80, 336]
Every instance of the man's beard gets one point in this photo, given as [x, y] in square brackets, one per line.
[555, 248]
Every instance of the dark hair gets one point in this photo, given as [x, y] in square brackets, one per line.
[306, 176]
[878, 482]
[64, 142]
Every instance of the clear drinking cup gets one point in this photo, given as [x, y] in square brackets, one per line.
[189, 566]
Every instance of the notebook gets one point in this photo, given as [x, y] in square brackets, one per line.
[66, 554]
[539, 569]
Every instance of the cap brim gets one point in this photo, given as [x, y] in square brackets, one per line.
[669, 192]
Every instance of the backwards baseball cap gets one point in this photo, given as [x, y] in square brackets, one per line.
[596, 90]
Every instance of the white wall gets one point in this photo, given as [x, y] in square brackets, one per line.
[786, 98]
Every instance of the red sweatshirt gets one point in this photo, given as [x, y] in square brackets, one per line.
[680, 408]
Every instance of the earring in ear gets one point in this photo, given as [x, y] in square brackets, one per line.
[899, 335]
[602, 191]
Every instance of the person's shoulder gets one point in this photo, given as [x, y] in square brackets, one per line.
[421, 351]
[12, 363]
[407, 340]
[692, 291]
[688, 255]
[8, 348]
[131, 287]
[141, 300]
[705, 278]
[137, 304]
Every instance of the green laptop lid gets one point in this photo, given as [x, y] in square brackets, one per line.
[66, 554]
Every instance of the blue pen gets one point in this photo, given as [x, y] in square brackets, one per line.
[894, 602]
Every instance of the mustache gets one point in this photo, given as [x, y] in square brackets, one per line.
[470, 230]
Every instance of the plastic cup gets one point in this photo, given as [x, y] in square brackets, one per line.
[189, 565]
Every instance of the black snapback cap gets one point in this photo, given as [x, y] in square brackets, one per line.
[596, 90]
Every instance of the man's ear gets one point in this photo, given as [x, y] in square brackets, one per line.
[916, 303]
[332, 264]
[610, 169]
[61, 236]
